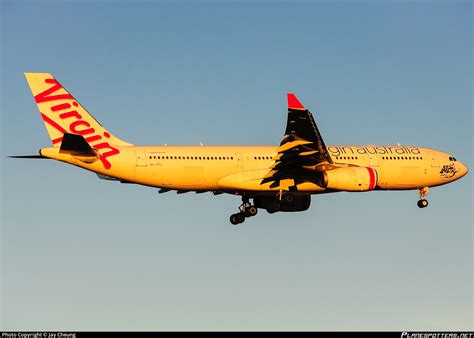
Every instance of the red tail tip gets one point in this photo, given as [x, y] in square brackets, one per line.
[293, 102]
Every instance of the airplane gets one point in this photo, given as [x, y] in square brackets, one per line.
[279, 178]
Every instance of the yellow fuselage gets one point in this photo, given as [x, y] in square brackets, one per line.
[242, 168]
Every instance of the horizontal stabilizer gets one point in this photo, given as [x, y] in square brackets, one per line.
[76, 144]
[28, 156]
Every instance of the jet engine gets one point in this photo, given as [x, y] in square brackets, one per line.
[350, 179]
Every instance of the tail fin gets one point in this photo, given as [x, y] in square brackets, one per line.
[62, 113]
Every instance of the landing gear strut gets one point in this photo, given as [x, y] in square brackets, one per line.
[246, 210]
[423, 203]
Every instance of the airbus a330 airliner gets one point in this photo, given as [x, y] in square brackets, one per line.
[275, 178]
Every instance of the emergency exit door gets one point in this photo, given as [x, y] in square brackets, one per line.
[140, 158]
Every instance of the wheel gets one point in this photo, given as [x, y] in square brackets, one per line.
[273, 207]
[237, 218]
[251, 211]
[233, 219]
[422, 203]
[288, 198]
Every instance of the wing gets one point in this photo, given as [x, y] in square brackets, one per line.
[302, 150]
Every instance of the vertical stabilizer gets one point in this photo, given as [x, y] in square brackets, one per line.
[62, 113]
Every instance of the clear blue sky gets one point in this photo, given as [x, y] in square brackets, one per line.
[79, 253]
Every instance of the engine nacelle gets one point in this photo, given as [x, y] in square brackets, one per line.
[350, 179]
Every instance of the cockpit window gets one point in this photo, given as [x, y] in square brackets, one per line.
[452, 158]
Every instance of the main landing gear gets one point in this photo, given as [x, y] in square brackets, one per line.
[276, 204]
[423, 203]
[246, 210]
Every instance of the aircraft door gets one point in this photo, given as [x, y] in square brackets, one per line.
[434, 161]
[140, 158]
[240, 160]
[373, 160]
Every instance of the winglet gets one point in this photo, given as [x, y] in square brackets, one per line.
[293, 102]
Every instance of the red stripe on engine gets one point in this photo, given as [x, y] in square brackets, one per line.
[373, 181]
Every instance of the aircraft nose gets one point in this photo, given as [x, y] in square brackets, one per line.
[463, 169]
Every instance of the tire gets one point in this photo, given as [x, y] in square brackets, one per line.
[422, 203]
[233, 219]
[274, 207]
[240, 217]
[252, 211]
[288, 198]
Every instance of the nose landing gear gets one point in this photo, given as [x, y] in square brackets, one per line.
[423, 203]
[246, 210]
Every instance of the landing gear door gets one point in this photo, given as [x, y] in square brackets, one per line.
[140, 158]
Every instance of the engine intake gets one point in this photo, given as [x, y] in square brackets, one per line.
[350, 179]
